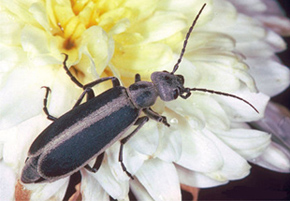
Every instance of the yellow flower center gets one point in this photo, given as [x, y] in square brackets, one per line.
[74, 17]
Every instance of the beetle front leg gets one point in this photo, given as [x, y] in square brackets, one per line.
[154, 115]
[140, 122]
[114, 80]
[50, 117]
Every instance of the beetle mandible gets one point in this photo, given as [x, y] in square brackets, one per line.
[88, 126]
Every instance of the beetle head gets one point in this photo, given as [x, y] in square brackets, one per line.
[169, 86]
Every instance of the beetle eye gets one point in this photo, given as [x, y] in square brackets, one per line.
[175, 93]
[181, 78]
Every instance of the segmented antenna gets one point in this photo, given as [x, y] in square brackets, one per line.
[223, 94]
[186, 40]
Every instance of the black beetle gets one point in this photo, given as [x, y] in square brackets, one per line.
[86, 131]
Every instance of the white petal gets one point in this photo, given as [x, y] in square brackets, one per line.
[132, 160]
[247, 142]
[201, 109]
[160, 180]
[54, 191]
[91, 189]
[34, 40]
[196, 179]
[17, 140]
[161, 25]
[10, 58]
[198, 152]
[188, 8]
[20, 10]
[271, 77]
[142, 58]
[169, 148]
[23, 99]
[7, 182]
[146, 139]
[116, 189]
[139, 191]
[277, 122]
[234, 166]
[38, 11]
[239, 111]
[9, 29]
[100, 50]
[275, 157]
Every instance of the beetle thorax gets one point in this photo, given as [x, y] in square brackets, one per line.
[143, 94]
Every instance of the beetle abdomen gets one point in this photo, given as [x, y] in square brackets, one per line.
[80, 135]
[29, 172]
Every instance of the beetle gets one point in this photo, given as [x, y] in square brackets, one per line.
[100, 121]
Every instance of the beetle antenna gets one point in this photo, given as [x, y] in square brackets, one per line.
[223, 94]
[186, 40]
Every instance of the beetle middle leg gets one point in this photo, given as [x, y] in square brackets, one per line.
[140, 122]
[50, 117]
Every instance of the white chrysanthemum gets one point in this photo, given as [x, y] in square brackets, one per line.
[209, 141]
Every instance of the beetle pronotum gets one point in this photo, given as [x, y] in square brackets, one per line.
[88, 126]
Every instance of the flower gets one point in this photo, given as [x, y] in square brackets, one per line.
[209, 141]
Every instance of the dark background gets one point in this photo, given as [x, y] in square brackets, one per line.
[261, 184]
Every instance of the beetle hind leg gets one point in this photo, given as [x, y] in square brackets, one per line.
[97, 164]
[140, 122]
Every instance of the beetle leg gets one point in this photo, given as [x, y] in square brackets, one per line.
[137, 77]
[88, 88]
[50, 117]
[115, 80]
[90, 94]
[74, 179]
[140, 122]
[154, 115]
[97, 164]
[69, 73]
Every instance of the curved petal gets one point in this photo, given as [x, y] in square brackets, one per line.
[18, 139]
[234, 166]
[16, 105]
[139, 190]
[275, 157]
[132, 160]
[9, 29]
[199, 153]
[7, 182]
[160, 180]
[271, 77]
[147, 139]
[91, 189]
[239, 111]
[115, 188]
[247, 142]
[196, 179]
[54, 191]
